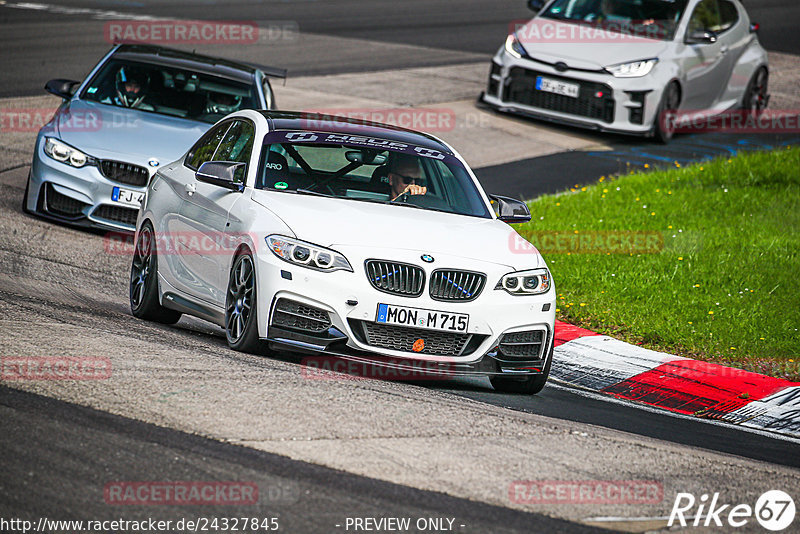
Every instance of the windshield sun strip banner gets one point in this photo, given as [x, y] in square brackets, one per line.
[354, 141]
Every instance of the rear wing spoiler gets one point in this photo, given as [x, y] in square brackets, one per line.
[272, 72]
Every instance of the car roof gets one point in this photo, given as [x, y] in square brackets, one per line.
[303, 121]
[170, 57]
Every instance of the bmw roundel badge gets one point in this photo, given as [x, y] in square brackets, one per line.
[153, 162]
[427, 258]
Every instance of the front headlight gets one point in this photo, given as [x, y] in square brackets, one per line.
[634, 69]
[60, 151]
[531, 282]
[307, 255]
[514, 47]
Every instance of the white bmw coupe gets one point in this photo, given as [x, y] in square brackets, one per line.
[346, 239]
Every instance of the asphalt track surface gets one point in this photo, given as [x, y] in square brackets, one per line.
[114, 448]
[52, 450]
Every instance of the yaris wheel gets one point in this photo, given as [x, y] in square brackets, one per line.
[144, 281]
[663, 129]
[241, 315]
[756, 96]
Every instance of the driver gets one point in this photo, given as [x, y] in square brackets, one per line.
[405, 176]
[222, 103]
[132, 85]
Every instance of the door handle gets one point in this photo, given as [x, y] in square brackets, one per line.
[190, 188]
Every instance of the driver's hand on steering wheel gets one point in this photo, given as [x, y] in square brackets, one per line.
[412, 189]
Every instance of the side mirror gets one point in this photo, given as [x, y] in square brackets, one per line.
[701, 37]
[227, 174]
[61, 88]
[536, 5]
[510, 210]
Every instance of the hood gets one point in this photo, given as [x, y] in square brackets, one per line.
[339, 222]
[553, 41]
[110, 132]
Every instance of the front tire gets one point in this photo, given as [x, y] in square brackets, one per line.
[662, 127]
[530, 385]
[756, 97]
[241, 314]
[144, 281]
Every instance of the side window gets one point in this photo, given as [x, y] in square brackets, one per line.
[237, 143]
[728, 14]
[705, 17]
[204, 149]
[237, 146]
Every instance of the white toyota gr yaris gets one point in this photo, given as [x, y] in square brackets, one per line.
[345, 239]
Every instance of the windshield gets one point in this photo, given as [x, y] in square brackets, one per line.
[309, 163]
[653, 19]
[169, 91]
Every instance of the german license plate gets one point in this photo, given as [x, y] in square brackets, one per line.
[420, 318]
[558, 87]
[127, 197]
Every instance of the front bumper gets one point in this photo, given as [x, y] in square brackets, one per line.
[77, 196]
[351, 303]
[605, 103]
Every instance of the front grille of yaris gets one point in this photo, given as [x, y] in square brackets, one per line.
[595, 100]
[396, 278]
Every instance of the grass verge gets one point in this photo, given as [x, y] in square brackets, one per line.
[699, 261]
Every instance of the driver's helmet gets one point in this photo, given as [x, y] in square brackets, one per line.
[222, 103]
[132, 85]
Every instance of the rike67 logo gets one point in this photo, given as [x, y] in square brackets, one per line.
[774, 510]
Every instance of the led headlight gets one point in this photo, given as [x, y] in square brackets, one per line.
[532, 282]
[634, 69]
[64, 153]
[514, 47]
[307, 255]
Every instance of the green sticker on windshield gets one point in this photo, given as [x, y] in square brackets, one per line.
[281, 185]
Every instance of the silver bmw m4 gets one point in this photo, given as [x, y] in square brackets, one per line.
[140, 107]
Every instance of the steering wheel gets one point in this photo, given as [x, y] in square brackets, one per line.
[402, 197]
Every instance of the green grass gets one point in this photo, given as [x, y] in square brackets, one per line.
[722, 282]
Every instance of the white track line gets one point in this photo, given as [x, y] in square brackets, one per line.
[97, 14]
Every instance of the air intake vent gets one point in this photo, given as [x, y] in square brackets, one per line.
[396, 278]
[452, 284]
[62, 205]
[522, 345]
[125, 173]
[117, 214]
[298, 316]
